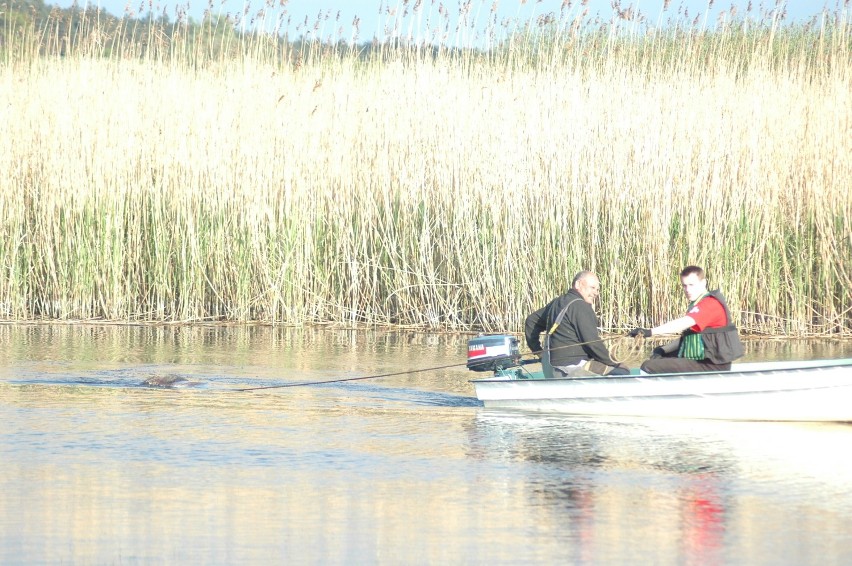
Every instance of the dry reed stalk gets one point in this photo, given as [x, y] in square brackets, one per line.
[443, 193]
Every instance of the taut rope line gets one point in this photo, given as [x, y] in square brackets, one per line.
[341, 380]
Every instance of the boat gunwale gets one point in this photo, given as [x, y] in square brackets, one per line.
[820, 364]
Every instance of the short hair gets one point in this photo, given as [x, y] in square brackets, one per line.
[692, 270]
[585, 274]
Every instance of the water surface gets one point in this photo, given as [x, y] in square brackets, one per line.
[97, 467]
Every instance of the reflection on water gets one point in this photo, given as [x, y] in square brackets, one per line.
[651, 491]
[96, 466]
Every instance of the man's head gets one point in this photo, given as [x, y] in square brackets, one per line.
[693, 282]
[588, 285]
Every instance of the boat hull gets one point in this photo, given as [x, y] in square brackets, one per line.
[750, 392]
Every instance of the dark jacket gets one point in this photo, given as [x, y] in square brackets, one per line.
[722, 345]
[578, 326]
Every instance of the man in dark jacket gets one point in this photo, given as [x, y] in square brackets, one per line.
[709, 341]
[572, 345]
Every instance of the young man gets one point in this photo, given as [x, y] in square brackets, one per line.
[572, 345]
[709, 341]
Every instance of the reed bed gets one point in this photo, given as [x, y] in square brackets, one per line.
[427, 186]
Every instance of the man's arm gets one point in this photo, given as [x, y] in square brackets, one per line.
[675, 326]
[587, 330]
[533, 327]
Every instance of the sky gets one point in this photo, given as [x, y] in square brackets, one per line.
[333, 19]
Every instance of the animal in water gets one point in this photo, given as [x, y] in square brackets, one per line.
[169, 381]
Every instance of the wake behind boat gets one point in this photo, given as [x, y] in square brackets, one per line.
[817, 390]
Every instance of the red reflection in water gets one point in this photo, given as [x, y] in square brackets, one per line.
[703, 520]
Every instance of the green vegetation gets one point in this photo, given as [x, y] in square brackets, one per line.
[157, 171]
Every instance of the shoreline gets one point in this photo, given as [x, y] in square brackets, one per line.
[336, 326]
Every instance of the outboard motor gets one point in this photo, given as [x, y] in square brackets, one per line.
[492, 352]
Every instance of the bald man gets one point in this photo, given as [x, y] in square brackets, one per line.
[572, 344]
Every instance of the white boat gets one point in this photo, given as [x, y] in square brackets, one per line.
[818, 391]
[765, 391]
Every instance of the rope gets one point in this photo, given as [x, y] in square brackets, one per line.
[341, 380]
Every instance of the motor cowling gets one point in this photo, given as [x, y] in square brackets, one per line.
[492, 352]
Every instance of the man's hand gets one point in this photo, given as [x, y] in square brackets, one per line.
[644, 332]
